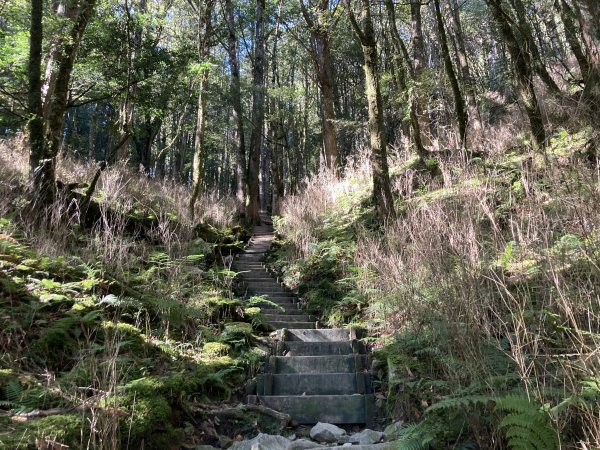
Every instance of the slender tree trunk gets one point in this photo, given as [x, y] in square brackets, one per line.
[528, 44]
[35, 125]
[204, 38]
[474, 114]
[459, 102]
[418, 58]
[402, 51]
[523, 73]
[236, 100]
[382, 194]
[258, 113]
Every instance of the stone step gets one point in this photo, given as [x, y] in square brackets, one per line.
[253, 278]
[309, 409]
[289, 311]
[299, 348]
[291, 325]
[259, 284]
[318, 364]
[312, 384]
[284, 305]
[320, 335]
[284, 317]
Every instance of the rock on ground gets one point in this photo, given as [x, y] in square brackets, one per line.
[263, 442]
[303, 444]
[326, 432]
[366, 436]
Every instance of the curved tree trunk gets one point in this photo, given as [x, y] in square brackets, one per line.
[524, 73]
[382, 194]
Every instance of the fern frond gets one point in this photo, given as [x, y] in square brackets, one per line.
[527, 425]
[460, 403]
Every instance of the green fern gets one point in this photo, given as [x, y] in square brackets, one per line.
[463, 403]
[527, 426]
[417, 436]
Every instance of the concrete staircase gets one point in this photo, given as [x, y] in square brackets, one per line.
[315, 375]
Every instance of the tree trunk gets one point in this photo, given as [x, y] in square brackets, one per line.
[402, 52]
[382, 194]
[204, 38]
[528, 44]
[591, 43]
[258, 113]
[418, 58]
[523, 73]
[590, 75]
[40, 186]
[474, 115]
[459, 102]
[236, 100]
[321, 26]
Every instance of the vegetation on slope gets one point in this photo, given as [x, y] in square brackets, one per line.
[118, 340]
[481, 298]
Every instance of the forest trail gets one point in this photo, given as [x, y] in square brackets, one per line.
[315, 375]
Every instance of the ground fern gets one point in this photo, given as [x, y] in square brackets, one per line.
[526, 426]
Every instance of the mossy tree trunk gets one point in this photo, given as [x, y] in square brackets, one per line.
[459, 101]
[36, 123]
[523, 70]
[236, 101]
[590, 74]
[474, 114]
[43, 156]
[321, 25]
[258, 113]
[419, 64]
[364, 30]
[204, 39]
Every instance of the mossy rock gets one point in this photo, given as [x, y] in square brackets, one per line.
[130, 338]
[216, 349]
[65, 429]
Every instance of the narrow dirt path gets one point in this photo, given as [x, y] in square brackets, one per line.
[315, 375]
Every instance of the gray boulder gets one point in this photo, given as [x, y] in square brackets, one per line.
[326, 432]
[366, 436]
[392, 431]
[303, 444]
[263, 442]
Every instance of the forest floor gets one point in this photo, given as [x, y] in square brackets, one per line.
[479, 304]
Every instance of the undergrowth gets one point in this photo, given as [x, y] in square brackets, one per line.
[481, 298]
[113, 332]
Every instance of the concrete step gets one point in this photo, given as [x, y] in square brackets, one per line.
[291, 325]
[284, 305]
[318, 364]
[312, 384]
[263, 277]
[321, 335]
[309, 409]
[274, 290]
[299, 348]
[289, 311]
[267, 284]
[284, 317]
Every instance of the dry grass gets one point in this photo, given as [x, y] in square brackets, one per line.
[120, 189]
[507, 249]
